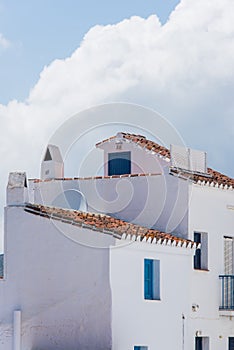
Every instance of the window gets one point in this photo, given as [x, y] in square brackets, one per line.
[227, 280]
[119, 163]
[202, 343]
[140, 347]
[198, 343]
[151, 279]
[228, 255]
[201, 255]
[231, 343]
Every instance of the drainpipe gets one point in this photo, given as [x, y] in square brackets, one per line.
[183, 330]
[17, 330]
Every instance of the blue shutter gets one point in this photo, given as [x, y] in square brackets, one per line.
[156, 279]
[152, 279]
[148, 279]
[119, 163]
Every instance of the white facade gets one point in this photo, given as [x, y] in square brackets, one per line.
[156, 200]
[141, 161]
[137, 321]
[209, 212]
[78, 288]
[62, 288]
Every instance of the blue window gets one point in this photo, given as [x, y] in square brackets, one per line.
[140, 347]
[197, 256]
[151, 279]
[201, 255]
[231, 343]
[202, 343]
[198, 343]
[119, 163]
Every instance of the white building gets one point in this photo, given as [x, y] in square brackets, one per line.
[140, 258]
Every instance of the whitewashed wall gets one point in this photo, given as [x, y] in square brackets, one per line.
[159, 201]
[61, 286]
[208, 212]
[74, 296]
[157, 324]
[142, 161]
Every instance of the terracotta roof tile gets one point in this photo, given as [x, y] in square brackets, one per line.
[141, 141]
[213, 177]
[94, 177]
[103, 223]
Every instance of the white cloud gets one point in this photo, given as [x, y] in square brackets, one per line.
[4, 43]
[183, 69]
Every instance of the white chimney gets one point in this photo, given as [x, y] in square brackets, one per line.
[17, 189]
[52, 165]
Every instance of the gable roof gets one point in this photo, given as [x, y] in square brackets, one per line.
[141, 141]
[213, 177]
[109, 225]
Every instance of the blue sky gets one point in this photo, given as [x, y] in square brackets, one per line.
[58, 58]
[41, 31]
[176, 57]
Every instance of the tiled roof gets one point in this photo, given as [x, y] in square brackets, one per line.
[95, 177]
[217, 178]
[213, 178]
[141, 141]
[109, 225]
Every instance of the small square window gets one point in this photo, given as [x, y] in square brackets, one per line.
[151, 279]
[139, 347]
[119, 163]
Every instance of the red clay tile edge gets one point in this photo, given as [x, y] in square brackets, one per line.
[110, 225]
